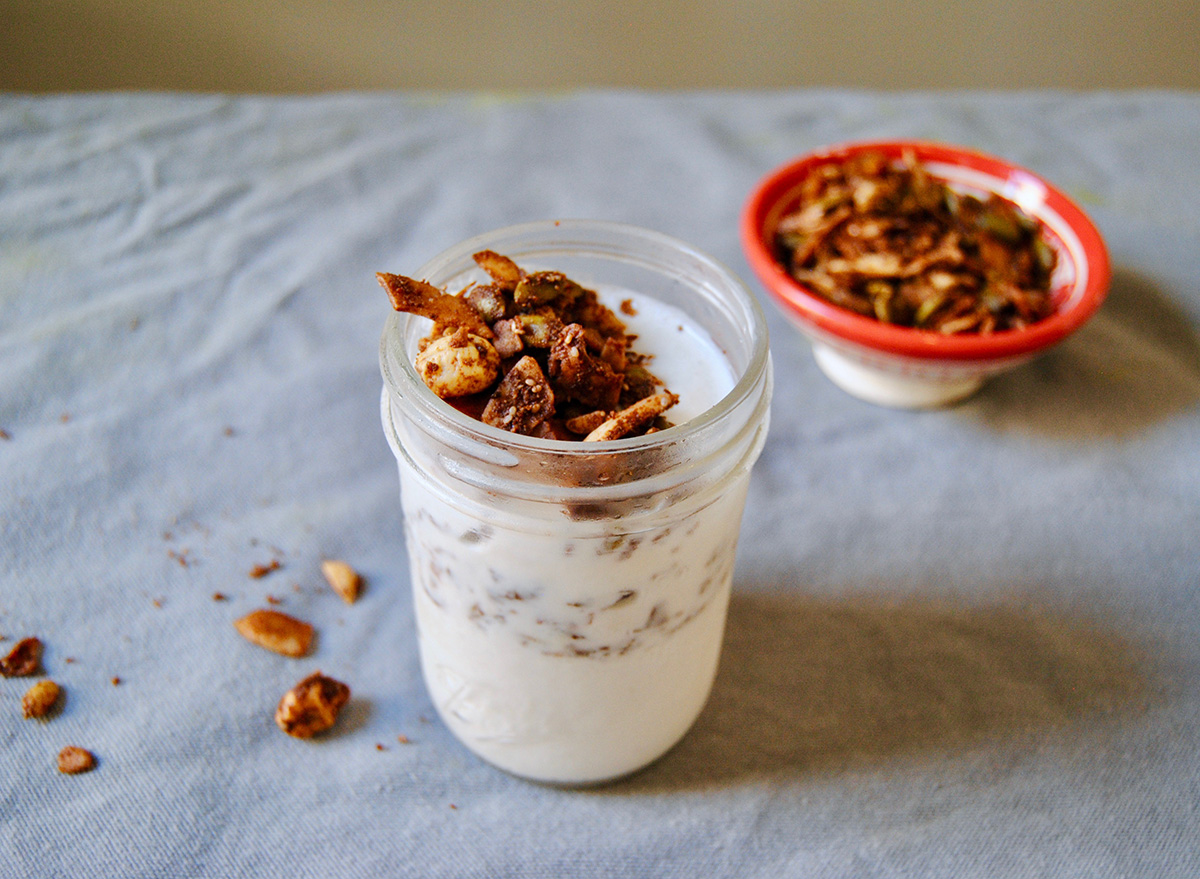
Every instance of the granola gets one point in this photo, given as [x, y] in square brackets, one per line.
[888, 241]
[23, 660]
[312, 706]
[534, 353]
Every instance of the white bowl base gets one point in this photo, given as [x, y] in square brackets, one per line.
[886, 388]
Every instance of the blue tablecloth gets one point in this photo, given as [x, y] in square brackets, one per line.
[963, 643]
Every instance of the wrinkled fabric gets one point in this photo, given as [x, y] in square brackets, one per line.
[963, 643]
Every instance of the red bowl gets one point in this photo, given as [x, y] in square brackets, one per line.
[923, 367]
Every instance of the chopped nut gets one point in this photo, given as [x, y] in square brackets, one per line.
[458, 364]
[311, 706]
[23, 660]
[522, 400]
[489, 301]
[276, 631]
[585, 424]
[580, 376]
[72, 760]
[634, 417]
[40, 698]
[503, 270]
[344, 580]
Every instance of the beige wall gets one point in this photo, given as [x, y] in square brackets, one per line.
[305, 45]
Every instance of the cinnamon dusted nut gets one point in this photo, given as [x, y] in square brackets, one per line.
[276, 631]
[311, 706]
[633, 418]
[73, 760]
[342, 578]
[458, 364]
[23, 660]
[522, 401]
[503, 270]
[585, 424]
[40, 698]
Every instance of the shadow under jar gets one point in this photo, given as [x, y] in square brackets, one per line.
[571, 597]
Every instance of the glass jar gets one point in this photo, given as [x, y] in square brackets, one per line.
[570, 597]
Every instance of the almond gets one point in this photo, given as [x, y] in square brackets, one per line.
[344, 579]
[73, 760]
[40, 698]
[276, 631]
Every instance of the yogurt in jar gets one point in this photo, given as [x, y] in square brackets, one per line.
[570, 598]
[578, 649]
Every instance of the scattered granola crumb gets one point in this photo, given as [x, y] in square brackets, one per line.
[4, 434]
[23, 660]
[70, 660]
[343, 579]
[116, 682]
[311, 706]
[627, 307]
[73, 760]
[219, 596]
[271, 599]
[276, 631]
[40, 698]
[228, 431]
[157, 602]
[404, 740]
[379, 746]
[65, 417]
[260, 571]
[180, 557]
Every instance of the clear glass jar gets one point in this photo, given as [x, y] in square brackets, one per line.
[571, 597]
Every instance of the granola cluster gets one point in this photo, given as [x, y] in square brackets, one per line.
[886, 240]
[533, 353]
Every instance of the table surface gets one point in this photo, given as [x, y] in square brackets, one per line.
[962, 643]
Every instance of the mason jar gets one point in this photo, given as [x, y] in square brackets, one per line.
[570, 597]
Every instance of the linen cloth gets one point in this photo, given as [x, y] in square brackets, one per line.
[962, 643]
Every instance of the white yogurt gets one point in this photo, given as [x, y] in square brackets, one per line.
[566, 658]
[684, 356]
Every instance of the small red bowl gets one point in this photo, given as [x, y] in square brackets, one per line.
[906, 367]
